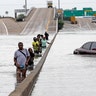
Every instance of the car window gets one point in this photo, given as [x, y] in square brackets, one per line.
[93, 47]
[86, 46]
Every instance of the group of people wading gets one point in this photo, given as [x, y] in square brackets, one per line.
[24, 59]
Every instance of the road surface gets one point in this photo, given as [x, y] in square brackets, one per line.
[83, 25]
[39, 22]
[3, 29]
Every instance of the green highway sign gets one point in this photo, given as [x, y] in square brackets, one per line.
[69, 13]
[74, 12]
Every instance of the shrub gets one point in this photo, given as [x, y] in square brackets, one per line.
[60, 24]
[66, 18]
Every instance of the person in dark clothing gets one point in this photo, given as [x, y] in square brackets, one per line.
[40, 44]
[46, 35]
[31, 60]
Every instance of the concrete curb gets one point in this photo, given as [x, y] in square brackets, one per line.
[25, 88]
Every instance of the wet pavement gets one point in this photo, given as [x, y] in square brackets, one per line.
[66, 74]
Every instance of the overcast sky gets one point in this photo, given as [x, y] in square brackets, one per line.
[77, 3]
[10, 5]
[63, 3]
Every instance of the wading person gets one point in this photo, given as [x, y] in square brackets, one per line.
[46, 36]
[44, 41]
[21, 59]
[35, 45]
[40, 44]
[31, 60]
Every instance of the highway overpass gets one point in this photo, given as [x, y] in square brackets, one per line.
[38, 20]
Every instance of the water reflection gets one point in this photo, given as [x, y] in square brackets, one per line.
[9, 44]
[7, 69]
[63, 73]
[66, 74]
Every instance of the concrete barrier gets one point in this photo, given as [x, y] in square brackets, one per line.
[25, 88]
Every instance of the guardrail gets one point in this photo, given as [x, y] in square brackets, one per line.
[29, 11]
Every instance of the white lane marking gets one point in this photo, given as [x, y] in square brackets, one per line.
[5, 27]
[28, 22]
[79, 25]
[89, 26]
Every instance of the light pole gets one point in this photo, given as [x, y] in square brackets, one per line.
[58, 4]
[26, 6]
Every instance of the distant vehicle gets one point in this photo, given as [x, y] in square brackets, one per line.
[94, 19]
[87, 48]
[73, 20]
[49, 4]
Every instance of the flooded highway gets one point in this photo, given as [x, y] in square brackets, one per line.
[63, 73]
[7, 69]
[66, 74]
[9, 44]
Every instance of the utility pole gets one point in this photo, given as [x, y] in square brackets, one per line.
[26, 6]
[58, 4]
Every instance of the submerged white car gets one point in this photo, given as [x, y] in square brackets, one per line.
[94, 19]
[87, 48]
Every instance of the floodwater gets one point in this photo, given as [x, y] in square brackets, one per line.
[66, 74]
[8, 45]
[63, 73]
